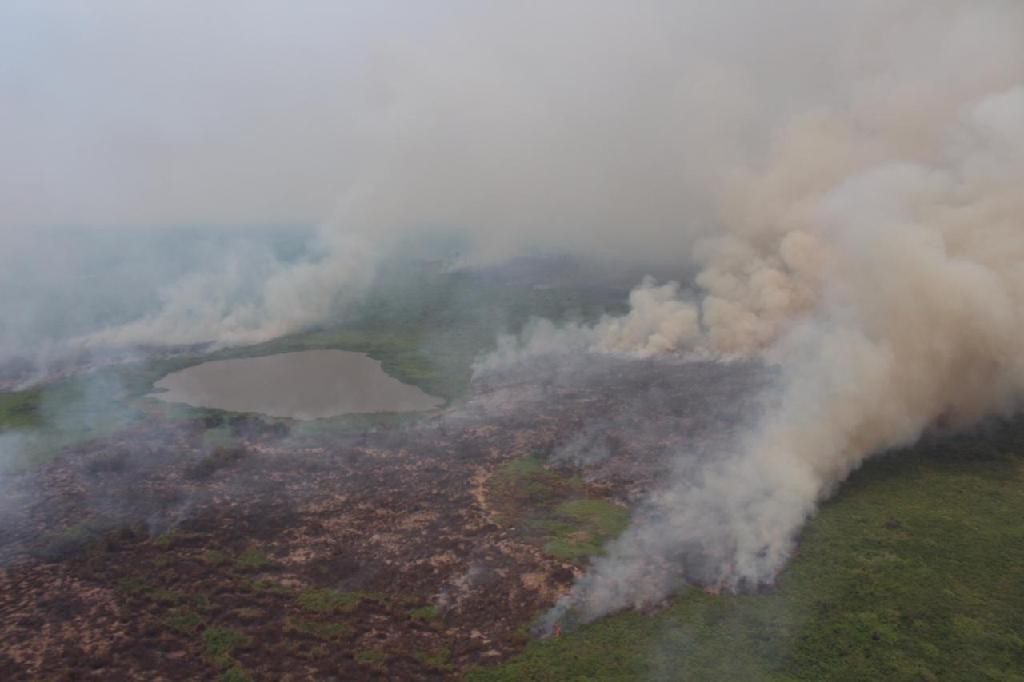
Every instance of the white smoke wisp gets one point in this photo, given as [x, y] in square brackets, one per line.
[918, 322]
[659, 321]
[240, 304]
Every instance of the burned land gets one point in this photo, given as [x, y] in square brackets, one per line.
[242, 547]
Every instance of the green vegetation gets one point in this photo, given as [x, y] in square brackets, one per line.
[525, 483]
[219, 643]
[372, 658]
[318, 629]
[249, 560]
[551, 509]
[425, 613]
[252, 560]
[579, 528]
[439, 660]
[325, 600]
[184, 620]
[133, 586]
[914, 571]
[65, 413]
[164, 597]
[529, 469]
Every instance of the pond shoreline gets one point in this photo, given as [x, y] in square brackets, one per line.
[303, 385]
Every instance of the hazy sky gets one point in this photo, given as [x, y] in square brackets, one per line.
[571, 124]
[547, 116]
[139, 112]
[657, 131]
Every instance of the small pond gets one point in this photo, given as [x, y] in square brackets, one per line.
[311, 384]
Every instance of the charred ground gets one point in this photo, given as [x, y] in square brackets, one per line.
[416, 551]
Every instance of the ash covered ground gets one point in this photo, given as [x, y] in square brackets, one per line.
[413, 552]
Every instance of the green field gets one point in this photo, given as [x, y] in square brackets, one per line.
[913, 571]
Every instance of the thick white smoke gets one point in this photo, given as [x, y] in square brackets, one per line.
[877, 260]
[240, 304]
[659, 321]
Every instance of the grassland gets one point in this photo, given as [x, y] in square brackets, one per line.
[913, 571]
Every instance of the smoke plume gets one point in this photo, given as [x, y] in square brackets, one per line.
[238, 304]
[875, 258]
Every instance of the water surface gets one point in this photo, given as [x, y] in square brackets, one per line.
[310, 384]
